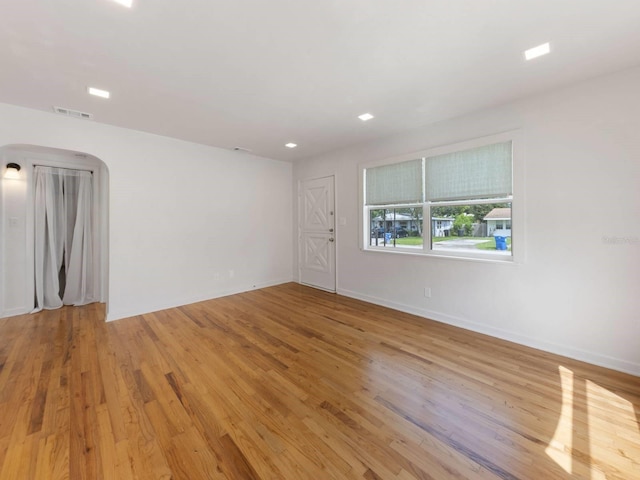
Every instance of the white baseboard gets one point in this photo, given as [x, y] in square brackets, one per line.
[564, 350]
[177, 302]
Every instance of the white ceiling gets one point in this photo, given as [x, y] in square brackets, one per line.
[259, 74]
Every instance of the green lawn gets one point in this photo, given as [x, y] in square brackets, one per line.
[488, 244]
[409, 241]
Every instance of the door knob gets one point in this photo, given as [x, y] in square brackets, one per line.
[331, 230]
[331, 239]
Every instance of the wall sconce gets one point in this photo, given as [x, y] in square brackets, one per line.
[13, 171]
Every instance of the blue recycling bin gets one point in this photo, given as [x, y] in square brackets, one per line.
[501, 242]
[387, 237]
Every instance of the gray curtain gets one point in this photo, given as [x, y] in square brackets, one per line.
[63, 238]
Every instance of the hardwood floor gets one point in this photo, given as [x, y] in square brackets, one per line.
[294, 383]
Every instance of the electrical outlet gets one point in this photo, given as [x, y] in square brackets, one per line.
[427, 292]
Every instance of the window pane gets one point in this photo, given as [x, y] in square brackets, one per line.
[472, 228]
[482, 172]
[396, 227]
[393, 184]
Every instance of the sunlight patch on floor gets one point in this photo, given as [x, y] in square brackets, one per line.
[609, 412]
[559, 448]
[589, 414]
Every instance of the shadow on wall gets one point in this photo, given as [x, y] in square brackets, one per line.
[17, 232]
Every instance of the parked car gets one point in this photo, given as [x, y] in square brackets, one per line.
[377, 232]
[402, 232]
[399, 232]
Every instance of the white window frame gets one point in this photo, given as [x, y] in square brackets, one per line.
[516, 200]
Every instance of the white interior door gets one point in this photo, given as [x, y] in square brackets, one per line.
[316, 239]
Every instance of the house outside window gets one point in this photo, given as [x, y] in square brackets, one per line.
[499, 222]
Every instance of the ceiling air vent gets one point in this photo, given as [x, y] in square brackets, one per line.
[73, 113]
[241, 149]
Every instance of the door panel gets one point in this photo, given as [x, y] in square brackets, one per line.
[316, 242]
[316, 208]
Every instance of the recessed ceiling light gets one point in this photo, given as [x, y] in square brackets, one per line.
[126, 3]
[98, 93]
[291, 145]
[365, 116]
[537, 51]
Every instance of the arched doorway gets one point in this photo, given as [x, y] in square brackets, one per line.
[17, 227]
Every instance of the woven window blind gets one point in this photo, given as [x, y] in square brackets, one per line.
[482, 172]
[395, 184]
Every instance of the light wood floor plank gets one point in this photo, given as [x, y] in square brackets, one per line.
[289, 382]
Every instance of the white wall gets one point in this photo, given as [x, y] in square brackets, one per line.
[187, 222]
[13, 239]
[575, 293]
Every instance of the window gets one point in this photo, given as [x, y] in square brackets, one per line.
[454, 201]
[396, 227]
[394, 199]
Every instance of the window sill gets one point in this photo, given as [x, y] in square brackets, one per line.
[479, 258]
